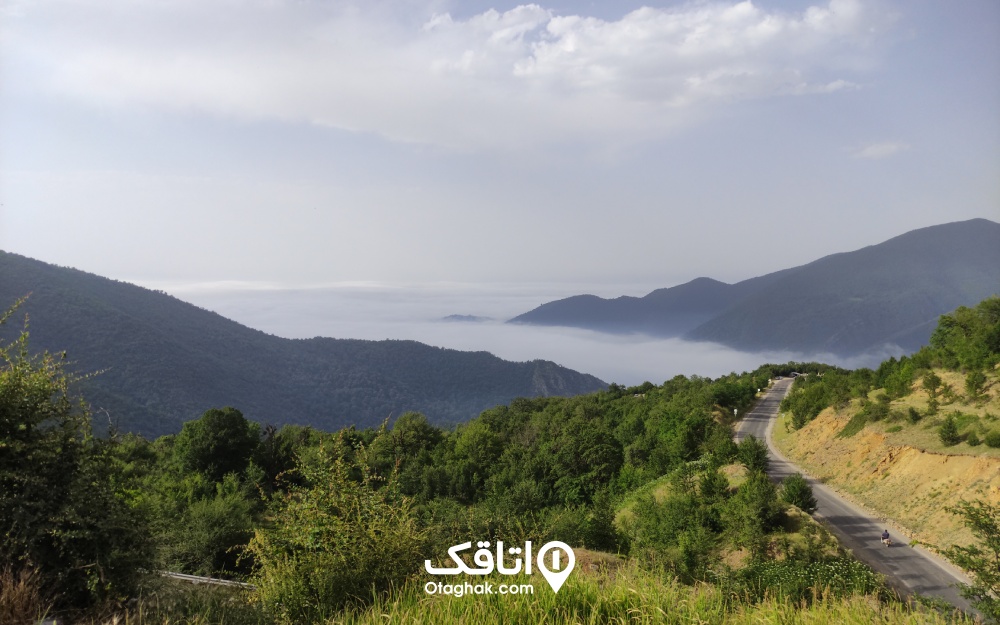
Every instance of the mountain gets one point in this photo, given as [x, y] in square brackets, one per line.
[663, 312]
[160, 361]
[846, 304]
[891, 293]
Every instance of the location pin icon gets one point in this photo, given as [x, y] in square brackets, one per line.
[558, 568]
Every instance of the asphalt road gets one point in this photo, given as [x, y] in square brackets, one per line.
[909, 569]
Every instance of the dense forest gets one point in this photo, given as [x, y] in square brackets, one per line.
[161, 361]
[847, 304]
[645, 481]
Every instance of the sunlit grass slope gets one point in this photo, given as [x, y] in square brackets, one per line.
[631, 595]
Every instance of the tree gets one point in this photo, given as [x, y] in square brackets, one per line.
[948, 432]
[207, 535]
[222, 441]
[752, 512]
[983, 559]
[797, 491]
[60, 513]
[752, 453]
[932, 384]
[975, 382]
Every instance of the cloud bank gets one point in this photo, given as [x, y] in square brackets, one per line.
[881, 150]
[502, 79]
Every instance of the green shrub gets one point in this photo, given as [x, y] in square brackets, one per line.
[64, 522]
[334, 541]
[975, 383]
[752, 453]
[973, 440]
[752, 512]
[797, 581]
[992, 439]
[983, 519]
[913, 415]
[948, 432]
[671, 536]
[208, 535]
[797, 491]
[894, 429]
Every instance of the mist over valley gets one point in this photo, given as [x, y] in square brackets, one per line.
[378, 312]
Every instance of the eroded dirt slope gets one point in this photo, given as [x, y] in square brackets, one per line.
[911, 485]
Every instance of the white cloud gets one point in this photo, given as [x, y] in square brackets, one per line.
[497, 79]
[881, 150]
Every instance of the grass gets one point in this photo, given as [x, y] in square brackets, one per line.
[21, 600]
[632, 596]
[627, 596]
[855, 425]
[593, 595]
[782, 428]
[978, 417]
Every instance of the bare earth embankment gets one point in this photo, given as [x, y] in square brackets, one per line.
[899, 470]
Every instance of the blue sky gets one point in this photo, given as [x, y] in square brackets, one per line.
[618, 146]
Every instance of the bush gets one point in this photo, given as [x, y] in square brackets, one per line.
[973, 440]
[879, 409]
[798, 581]
[208, 536]
[913, 415]
[948, 432]
[60, 511]
[671, 536]
[992, 439]
[334, 541]
[796, 490]
[975, 383]
[981, 558]
[752, 453]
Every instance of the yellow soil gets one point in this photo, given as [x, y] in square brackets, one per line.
[912, 484]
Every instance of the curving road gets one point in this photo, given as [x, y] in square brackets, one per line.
[909, 569]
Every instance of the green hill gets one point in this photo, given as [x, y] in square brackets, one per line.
[163, 361]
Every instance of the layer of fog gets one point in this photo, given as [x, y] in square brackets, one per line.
[378, 312]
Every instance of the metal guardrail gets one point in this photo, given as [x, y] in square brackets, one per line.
[184, 577]
[214, 581]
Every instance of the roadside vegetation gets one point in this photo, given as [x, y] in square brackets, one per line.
[674, 521]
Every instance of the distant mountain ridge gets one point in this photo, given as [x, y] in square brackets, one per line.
[164, 361]
[845, 304]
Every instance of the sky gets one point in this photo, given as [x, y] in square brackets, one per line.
[606, 147]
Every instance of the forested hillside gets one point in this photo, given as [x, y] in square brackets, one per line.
[663, 312]
[159, 361]
[885, 295]
[891, 293]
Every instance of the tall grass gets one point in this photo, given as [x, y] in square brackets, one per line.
[628, 595]
[633, 596]
[21, 598]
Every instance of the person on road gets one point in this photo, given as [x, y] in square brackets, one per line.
[885, 538]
